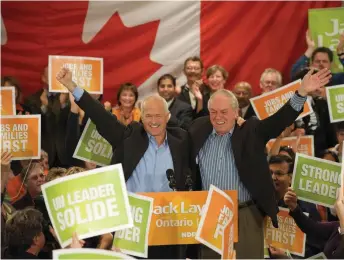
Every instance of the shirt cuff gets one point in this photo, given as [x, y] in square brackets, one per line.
[44, 109]
[77, 93]
[297, 102]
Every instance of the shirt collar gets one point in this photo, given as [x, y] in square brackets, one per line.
[213, 133]
[152, 139]
[170, 102]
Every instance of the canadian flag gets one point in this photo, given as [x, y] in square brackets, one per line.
[140, 41]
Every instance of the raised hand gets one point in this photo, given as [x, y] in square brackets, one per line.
[65, 78]
[290, 199]
[44, 98]
[108, 106]
[340, 46]
[314, 82]
[310, 44]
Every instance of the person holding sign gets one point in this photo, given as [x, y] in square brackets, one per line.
[146, 151]
[233, 158]
[330, 234]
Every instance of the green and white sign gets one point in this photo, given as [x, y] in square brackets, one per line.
[90, 203]
[316, 180]
[325, 26]
[134, 241]
[86, 253]
[92, 147]
[335, 102]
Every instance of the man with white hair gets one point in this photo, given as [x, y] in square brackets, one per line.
[232, 157]
[146, 151]
[270, 80]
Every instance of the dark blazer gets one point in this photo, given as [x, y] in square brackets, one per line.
[53, 127]
[248, 144]
[185, 97]
[249, 112]
[324, 135]
[181, 114]
[129, 143]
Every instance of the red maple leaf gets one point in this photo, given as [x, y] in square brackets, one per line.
[38, 29]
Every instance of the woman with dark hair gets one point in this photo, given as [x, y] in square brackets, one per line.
[8, 81]
[125, 111]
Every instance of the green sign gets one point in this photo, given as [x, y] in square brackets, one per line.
[85, 253]
[92, 147]
[316, 180]
[335, 102]
[326, 25]
[89, 203]
[134, 241]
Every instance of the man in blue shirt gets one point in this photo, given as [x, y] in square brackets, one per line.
[146, 151]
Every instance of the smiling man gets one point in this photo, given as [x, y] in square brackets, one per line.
[233, 158]
[146, 151]
[181, 112]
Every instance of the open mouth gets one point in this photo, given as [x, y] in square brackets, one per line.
[220, 122]
[154, 126]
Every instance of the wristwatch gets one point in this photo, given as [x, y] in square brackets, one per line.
[341, 230]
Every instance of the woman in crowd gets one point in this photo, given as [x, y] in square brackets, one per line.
[216, 77]
[125, 111]
[9, 81]
[329, 234]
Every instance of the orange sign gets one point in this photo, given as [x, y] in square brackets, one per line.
[228, 251]
[7, 101]
[288, 236]
[269, 103]
[87, 73]
[176, 215]
[305, 145]
[219, 212]
[21, 135]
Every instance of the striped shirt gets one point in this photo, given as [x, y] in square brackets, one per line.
[217, 164]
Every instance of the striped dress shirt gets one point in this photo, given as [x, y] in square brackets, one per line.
[217, 164]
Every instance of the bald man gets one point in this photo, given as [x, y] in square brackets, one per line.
[146, 151]
[243, 92]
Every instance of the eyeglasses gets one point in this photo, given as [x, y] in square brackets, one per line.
[35, 177]
[278, 173]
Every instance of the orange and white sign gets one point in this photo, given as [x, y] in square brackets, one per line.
[21, 135]
[7, 101]
[177, 215]
[304, 146]
[269, 103]
[219, 212]
[228, 251]
[87, 73]
[288, 236]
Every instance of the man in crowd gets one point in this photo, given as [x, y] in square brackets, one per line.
[233, 158]
[270, 80]
[181, 112]
[319, 58]
[243, 92]
[281, 168]
[146, 151]
[193, 69]
[54, 110]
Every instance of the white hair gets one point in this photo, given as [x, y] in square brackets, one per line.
[155, 97]
[226, 93]
[271, 70]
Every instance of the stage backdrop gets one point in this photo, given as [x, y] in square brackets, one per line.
[140, 41]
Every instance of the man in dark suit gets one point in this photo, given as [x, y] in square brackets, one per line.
[54, 110]
[233, 158]
[146, 151]
[243, 92]
[181, 112]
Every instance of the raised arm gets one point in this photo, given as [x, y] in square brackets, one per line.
[303, 61]
[273, 126]
[107, 124]
[312, 228]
